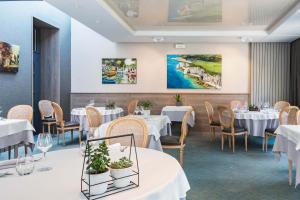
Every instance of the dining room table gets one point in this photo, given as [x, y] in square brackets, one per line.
[78, 115]
[14, 132]
[256, 122]
[176, 113]
[158, 125]
[161, 178]
[288, 142]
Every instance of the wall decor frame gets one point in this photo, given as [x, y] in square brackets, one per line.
[119, 71]
[9, 57]
[202, 71]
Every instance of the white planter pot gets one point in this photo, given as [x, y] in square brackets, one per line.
[98, 178]
[147, 112]
[119, 173]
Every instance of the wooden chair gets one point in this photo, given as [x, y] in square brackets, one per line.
[280, 105]
[128, 125]
[132, 106]
[94, 118]
[226, 117]
[19, 112]
[213, 124]
[177, 142]
[47, 115]
[298, 117]
[288, 115]
[235, 103]
[63, 126]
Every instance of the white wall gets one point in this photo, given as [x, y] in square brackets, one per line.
[88, 48]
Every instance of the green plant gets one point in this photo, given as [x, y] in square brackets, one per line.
[99, 159]
[145, 104]
[110, 105]
[177, 98]
[121, 164]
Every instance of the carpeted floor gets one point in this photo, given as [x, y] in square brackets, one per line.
[217, 175]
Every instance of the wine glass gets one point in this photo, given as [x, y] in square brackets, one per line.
[44, 143]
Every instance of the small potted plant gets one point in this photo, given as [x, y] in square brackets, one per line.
[178, 99]
[98, 168]
[146, 105]
[119, 169]
[110, 105]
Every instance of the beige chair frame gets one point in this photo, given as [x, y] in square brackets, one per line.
[210, 115]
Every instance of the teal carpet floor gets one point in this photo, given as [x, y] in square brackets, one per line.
[217, 175]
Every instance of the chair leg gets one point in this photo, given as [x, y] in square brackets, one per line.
[229, 141]
[79, 136]
[43, 128]
[72, 136]
[290, 171]
[57, 136]
[181, 151]
[267, 138]
[8, 151]
[222, 142]
[25, 149]
[246, 142]
[214, 133]
[63, 134]
[263, 143]
[233, 143]
[49, 128]
[16, 152]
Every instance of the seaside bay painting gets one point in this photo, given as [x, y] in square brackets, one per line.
[9, 57]
[119, 71]
[202, 71]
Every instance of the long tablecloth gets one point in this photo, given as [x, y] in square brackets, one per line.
[257, 122]
[79, 115]
[161, 178]
[15, 131]
[157, 126]
[176, 113]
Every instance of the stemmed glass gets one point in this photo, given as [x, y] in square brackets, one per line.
[44, 143]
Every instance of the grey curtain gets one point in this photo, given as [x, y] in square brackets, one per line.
[295, 73]
[270, 72]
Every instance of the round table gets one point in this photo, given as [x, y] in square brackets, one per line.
[161, 178]
[256, 122]
[79, 115]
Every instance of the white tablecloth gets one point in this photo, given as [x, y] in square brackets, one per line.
[157, 126]
[284, 145]
[79, 115]
[15, 131]
[176, 113]
[161, 178]
[256, 122]
[291, 132]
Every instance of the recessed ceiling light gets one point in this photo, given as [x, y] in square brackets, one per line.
[158, 39]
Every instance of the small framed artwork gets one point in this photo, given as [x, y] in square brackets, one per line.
[9, 57]
[119, 71]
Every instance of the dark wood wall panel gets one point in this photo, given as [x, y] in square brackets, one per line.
[160, 100]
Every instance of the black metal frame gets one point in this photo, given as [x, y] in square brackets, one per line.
[111, 188]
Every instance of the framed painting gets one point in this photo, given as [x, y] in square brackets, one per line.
[9, 57]
[203, 71]
[119, 71]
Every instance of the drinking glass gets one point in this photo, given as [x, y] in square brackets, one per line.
[25, 165]
[44, 143]
[82, 148]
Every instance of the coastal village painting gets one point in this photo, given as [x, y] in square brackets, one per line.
[202, 71]
[119, 71]
[9, 57]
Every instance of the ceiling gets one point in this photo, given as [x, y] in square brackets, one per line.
[179, 21]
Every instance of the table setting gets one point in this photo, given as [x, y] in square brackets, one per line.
[168, 182]
[256, 120]
[176, 113]
[108, 113]
[157, 126]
